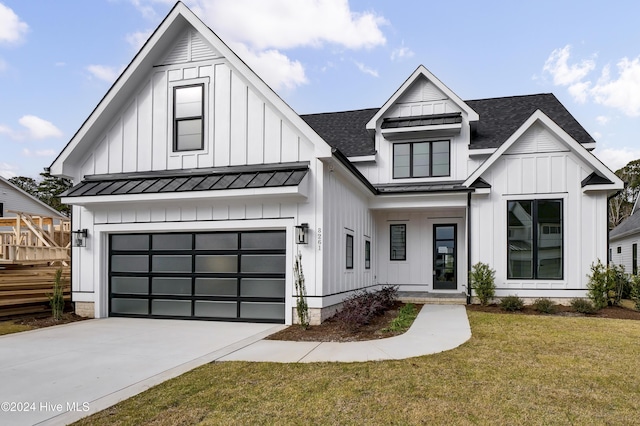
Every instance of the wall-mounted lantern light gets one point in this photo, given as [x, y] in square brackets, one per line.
[79, 238]
[301, 233]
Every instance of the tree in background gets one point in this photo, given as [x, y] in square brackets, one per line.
[620, 206]
[47, 189]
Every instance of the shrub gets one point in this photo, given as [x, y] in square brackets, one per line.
[483, 282]
[544, 306]
[511, 303]
[634, 293]
[302, 308]
[362, 306]
[606, 284]
[583, 306]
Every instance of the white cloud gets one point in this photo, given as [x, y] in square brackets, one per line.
[5, 130]
[60, 64]
[103, 72]
[7, 170]
[277, 70]
[12, 29]
[38, 153]
[602, 120]
[138, 39]
[564, 74]
[363, 68]
[286, 24]
[401, 53]
[37, 128]
[617, 158]
[621, 92]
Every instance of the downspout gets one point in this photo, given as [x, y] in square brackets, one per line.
[469, 247]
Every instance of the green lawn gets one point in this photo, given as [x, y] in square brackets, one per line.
[8, 327]
[516, 369]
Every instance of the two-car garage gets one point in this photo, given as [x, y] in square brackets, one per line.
[225, 276]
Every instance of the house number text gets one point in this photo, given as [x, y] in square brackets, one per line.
[319, 239]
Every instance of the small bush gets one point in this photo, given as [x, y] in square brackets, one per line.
[634, 293]
[482, 279]
[56, 299]
[362, 306]
[544, 306]
[511, 303]
[606, 284]
[583, 306]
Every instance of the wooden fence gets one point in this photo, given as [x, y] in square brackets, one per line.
[26, 289]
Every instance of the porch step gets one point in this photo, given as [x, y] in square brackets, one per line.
[432, 298]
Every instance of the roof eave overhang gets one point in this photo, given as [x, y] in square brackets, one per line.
[423, 200]
[421, 131]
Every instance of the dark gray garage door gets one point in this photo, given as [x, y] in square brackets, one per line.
[226, 276]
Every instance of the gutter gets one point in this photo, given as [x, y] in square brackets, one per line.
[345, 162]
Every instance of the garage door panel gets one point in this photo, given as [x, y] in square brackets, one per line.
[238, 276]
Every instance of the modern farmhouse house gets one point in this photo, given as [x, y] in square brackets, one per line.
[197, 186]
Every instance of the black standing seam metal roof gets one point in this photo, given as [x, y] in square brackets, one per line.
[151, 183]
[499, 118]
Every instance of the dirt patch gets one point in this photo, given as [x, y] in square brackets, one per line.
[40, 321]
[614, 312]
[335, 331]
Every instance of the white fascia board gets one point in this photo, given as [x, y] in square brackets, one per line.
[418, 201]
[602, 187]
[363, 158]
[589, 146]
[484, 151]
[235, 194]
[422, 71]
[421, 131]
[558, 131]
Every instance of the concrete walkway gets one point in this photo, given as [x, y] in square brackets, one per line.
[437, 328]
[57, 375]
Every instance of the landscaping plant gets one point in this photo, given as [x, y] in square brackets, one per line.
[362, 306]
[606, 284]
[511, 303]
[634, 293]
[302, 309]
[544, 306]
[406, 315]
[56, 299]
[583, 306]
[483, 282]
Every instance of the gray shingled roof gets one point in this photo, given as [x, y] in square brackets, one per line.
[499, 119]
[630, 225]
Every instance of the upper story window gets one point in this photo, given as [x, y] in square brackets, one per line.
[421, 159]
[188, 117]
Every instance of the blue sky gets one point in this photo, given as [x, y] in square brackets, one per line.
[58, 58]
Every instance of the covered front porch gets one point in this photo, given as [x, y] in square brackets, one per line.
[422, 245]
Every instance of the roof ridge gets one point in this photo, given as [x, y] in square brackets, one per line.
[340, 112]
[511, 97]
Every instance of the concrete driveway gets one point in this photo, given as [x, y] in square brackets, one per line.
[59, 374]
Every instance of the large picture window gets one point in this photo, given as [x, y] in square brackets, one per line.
[398, 244]
[535, 239]
[188, 113]
[421, 159]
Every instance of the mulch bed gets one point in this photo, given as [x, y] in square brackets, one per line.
[41, 321]
[335, 331]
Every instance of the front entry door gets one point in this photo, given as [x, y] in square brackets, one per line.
[444, 257]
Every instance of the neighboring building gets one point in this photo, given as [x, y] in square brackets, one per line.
[13, 198]
[624, 240]
[192, 174]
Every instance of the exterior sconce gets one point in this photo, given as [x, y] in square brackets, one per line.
[79, 238]
[301, 233]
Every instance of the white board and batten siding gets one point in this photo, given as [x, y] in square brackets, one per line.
[241, 126]
[345, 212]
[421, 98]
[539, 166]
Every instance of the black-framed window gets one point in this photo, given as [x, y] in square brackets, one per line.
[188, 117]
[634, 259]
[349, 252]
[367, 254]
[421, 159]
[619, 250]
[1, 210]
[398, 242]
[535, 239]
